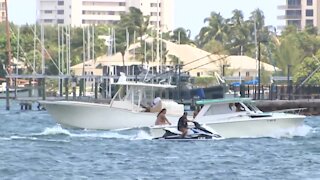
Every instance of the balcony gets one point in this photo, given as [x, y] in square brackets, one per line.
[283, 7]
[289, 17]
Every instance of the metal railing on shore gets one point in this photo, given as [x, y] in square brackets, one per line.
[280, 92]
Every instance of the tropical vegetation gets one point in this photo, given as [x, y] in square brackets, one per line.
[292, 49]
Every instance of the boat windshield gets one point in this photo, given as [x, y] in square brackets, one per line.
[216, 109]
[252, 107]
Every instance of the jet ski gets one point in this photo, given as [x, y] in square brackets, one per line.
[196, 132]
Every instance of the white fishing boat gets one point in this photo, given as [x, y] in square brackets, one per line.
[239, 117]
[130, 111]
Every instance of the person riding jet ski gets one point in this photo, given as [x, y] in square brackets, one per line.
[183, 124]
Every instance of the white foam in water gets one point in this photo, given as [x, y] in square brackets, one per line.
[55, 131]
[117, 134]
[102, 134]
[315, 130]
[292, 132]
[136, 134]
[142, 135]
[22, 137]
[5, 139]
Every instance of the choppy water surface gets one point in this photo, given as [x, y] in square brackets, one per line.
[32, 146]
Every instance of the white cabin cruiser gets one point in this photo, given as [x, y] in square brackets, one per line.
[120, 113]
[223, 116]
[239, 117]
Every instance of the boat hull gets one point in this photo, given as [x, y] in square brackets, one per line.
[257, 127]
[99, 116]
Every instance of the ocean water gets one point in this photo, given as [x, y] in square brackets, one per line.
[33, 146]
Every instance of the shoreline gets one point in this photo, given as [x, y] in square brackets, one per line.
[312, 106]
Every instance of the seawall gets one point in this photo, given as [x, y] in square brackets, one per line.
[312, 105]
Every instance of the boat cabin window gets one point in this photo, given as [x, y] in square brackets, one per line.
[239, 107]
[215, 109]
[236, 107]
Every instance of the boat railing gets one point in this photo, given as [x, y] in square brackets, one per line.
[116, 95]
[291, 111]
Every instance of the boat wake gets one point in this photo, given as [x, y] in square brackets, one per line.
[56, 130]
[301, 131]
[59, 134]
[127, 134]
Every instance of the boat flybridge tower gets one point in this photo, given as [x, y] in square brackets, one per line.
[139, 94]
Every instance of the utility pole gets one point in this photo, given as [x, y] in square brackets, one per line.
[289, 83]
[179, 82]
[8, 68]
[259, 69]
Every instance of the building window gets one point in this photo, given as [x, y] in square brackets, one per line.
[247, 74]
[198, 74]
[48, 12]
[294, 2]
[309, 12]
[111, 13]
[153, 14]
[47, 20]
[60, 3]
[309, 22]
[153, 5]
[122, 4]
[309, 3]
[60, 11]
[293, 13]
[60, 21]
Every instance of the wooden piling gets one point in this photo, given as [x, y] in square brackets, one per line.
[30, 88]
[104, 89]
[67, 88]
[61, 87]
[7, 94]
[96, 88]
[43, 88]
[74, 86]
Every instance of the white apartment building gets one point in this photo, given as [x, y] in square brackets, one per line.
[2, 11]
[86, 12]
[301, 13]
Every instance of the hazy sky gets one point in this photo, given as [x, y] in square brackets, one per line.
[188, 13]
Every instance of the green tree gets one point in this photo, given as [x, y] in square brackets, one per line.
[181, 36]
[134, 22]
[121, 42]
[216, 29]
[240, 34]
[306, 68]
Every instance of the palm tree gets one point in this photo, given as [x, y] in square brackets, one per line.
[216, 29]
[121, 43]
[134, 21]
[181, 36]
[258, 17]
[239, 33]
